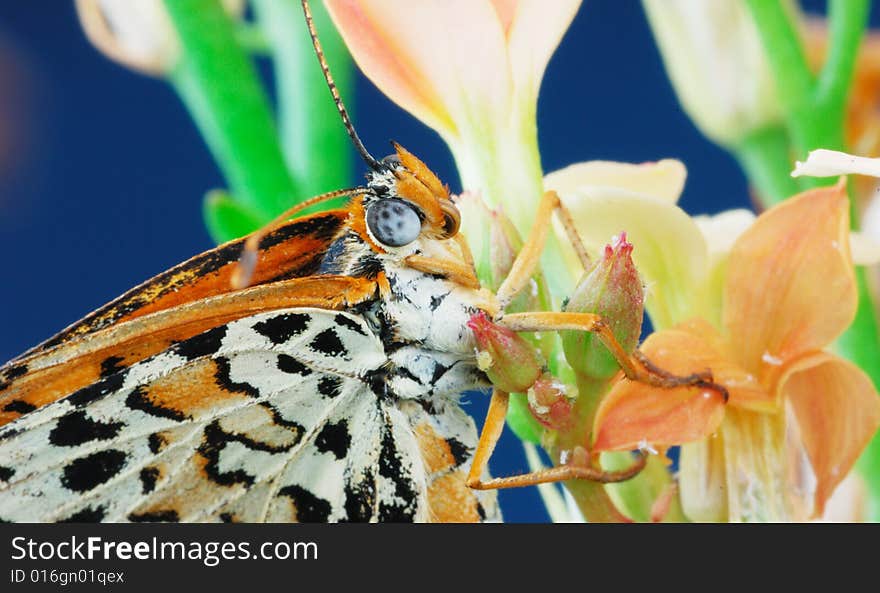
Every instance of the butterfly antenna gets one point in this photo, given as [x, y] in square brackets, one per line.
[247, 262]
[343, 113]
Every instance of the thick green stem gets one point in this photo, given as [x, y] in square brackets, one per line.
[847, 20]
[815, 112]
[762, 155]
[785, 53]
[315, 145]
[219, 85]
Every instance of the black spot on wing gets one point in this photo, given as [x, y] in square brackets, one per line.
[15, 371]
[281, 328]
[86, 473]
[402, 507]
[139, 399]
[228, 518]
[280, 420]
[309, 508]
[75, 428]
[222, 376]
[86, 515]
[481, 511]
[167, 516]
[19, 406]
[328, 343]
[215, 439]
[350, 323]
[7, 432]
[330, 386]
[460, 452]
[149, 476]
[111, 365]
[360, 499]
[11, 373]
[334, 438]
[289, 364]
[157, 442]
[97, 390]
[6, 473]
[206, 343]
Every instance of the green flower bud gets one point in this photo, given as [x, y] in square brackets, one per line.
[613, 290]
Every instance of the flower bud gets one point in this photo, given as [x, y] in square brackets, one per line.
[550, 403]
[509, 360]
[717, 66]
[136, 33]
[613, 290]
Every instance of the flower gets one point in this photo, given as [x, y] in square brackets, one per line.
[606, 198]
[478, 88]
[798, 416]
[136, 33]
[717, 66]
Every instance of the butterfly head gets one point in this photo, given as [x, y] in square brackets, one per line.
[407, 201]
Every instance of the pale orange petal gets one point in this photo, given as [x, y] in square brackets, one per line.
[790, 286]
[634, 414]
[443, 61]
[837, 410]
[506, 10]
[533, 35]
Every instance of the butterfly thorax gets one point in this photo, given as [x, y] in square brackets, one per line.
[420, 318]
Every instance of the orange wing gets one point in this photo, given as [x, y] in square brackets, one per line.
[291, 251]
[184, 301]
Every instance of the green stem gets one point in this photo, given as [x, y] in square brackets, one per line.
[313, 139]
[762, 155]
[219, 85]
[847, 20]
[815, 112]
[784, 52]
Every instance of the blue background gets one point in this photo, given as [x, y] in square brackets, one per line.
[102, 173]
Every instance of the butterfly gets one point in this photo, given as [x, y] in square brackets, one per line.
[308, 372]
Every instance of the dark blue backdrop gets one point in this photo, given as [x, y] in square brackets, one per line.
[102, 172]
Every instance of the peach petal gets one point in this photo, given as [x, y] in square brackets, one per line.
[790, 285]
[837, 411]
[533, 35]
[406, 49]
[634, 414]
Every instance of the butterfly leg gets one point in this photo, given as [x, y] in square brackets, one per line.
[528, 258]
[636, 367]
[489, 438]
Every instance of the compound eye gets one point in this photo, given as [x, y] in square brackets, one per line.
[393, 222]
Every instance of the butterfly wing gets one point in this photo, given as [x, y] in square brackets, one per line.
[277, 416]
[294, 250]
[157, 426]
